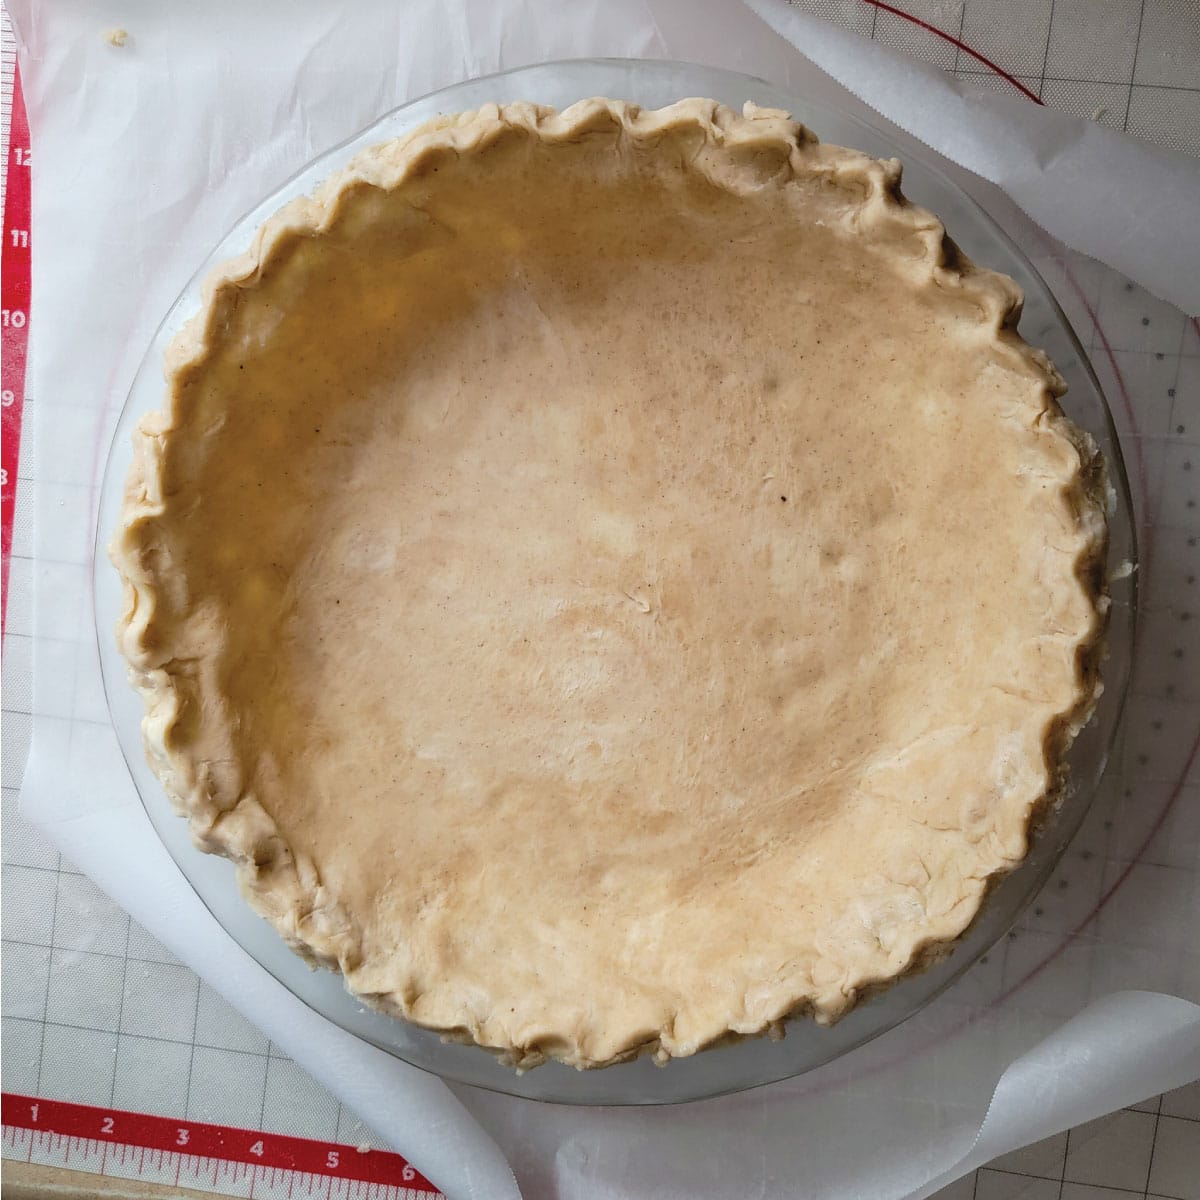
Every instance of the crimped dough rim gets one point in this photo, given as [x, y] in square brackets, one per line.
[289, 893]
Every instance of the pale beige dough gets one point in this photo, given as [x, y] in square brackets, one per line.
[611, 579]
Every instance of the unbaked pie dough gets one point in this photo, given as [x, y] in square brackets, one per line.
[611, 579]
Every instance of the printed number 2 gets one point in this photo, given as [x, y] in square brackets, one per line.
[331, 1159]
[182, 1137]
[106, 1126]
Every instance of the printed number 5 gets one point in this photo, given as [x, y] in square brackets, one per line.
[331, 1159]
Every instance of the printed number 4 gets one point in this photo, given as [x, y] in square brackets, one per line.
[257, 1149]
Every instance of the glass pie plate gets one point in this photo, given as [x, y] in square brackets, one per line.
[807, 1045]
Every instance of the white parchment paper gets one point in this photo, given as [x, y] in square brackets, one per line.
[144, 155]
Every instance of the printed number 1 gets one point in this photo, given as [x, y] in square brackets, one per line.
[33, 1112]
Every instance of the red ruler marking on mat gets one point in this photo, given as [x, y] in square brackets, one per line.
[112, 1142]
[14, 324]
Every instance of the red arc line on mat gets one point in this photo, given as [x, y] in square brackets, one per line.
[960, 44]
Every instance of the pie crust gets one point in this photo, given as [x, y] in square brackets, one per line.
[611, 580]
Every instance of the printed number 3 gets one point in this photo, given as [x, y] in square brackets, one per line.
[182, 1139]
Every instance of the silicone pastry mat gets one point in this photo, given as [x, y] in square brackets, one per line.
[117, 1059]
